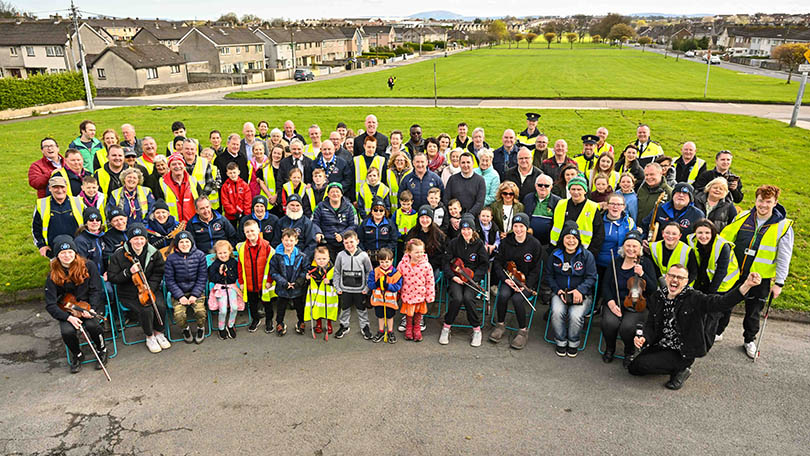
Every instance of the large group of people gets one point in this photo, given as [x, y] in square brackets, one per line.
[655, 244]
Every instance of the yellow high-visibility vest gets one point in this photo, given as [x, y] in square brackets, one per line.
[360, 170]
[303, 192]
[732, 272]
[693, 173]
[44, 209]
[680, 254]
[267, 293]
[764, 260]
[171, 198]
[584, 222]
[368, 197]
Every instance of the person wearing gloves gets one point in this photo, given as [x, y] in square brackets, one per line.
[185, 275]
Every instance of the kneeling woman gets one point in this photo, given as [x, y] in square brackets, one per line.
[617, 319]
[571, 277]
[70, 273]
[471, 251]
[121, 271]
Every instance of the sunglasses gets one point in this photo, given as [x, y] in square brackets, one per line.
[507, 193]
[542, 185]
[377, 210]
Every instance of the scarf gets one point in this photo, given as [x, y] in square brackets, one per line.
[436, 162]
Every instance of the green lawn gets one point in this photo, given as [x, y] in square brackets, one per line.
[587, 71]
[765, 151]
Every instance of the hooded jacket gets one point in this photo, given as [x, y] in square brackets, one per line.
[615, 231]
[527, 256]
[89, 246]
[186, 273]
[685, 217]
[418, 284]
[574, 272]
[374, 236]
[286, 269]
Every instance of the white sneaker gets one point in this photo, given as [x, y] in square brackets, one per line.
[161, 339]
[422, 324]
[718, 337]
[152, 344]
[402, 324]
[444, 337]
[750, 349]
[476, 339]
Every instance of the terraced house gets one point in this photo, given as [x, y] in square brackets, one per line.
[226, 49]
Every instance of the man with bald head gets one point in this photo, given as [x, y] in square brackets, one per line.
[246, 144]
[505, 156]
[552, 166]
[602, 146]
[337, 169]
[524, 174]
[340, 151]
[688, 166]
[648, 150]
[289, 133]
[371, 130]
[130, 141]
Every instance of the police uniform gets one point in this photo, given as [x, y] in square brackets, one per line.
[587, 164]
[525, 138]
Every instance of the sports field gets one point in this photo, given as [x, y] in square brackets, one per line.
[587, 71]
[765, 151]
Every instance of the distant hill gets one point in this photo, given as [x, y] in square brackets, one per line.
[667, 15]
[439, 14]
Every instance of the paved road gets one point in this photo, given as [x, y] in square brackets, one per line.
[747, 69]
[292, 395]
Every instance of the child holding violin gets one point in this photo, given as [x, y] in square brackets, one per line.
[70, 274]
[634, 275]
[467, 267]
[136, 256]
[519, 257]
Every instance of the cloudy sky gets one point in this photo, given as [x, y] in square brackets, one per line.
[300, 9]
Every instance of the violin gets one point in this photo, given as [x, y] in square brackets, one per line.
[518, 277]
[636, 286]
[145, 295]
[74, 307]
[165, 251]
[465, 274]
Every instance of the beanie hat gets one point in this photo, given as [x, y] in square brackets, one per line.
[426, 210]
[378, 202]
[91, 213]
[63, 242]
[135, 230]
[183, 235]
[684, 187]
[175, 156]
[115, 212]
[294, 198]
[334, 185]
[578, 180]
[467, 221]
[259, 199]
[570, 227]
[160, 204]
[634, 235]
[521, 218]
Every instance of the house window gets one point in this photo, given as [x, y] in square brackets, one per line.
[30, 51]
[238, 50]
[225, 50]
[250, 65]
[151, 73]
[175, 69]
[13, 51]
[54, 51]
[101, 73]
[258, 48]
[247, 49]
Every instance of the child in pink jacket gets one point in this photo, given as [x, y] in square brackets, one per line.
[417, 287]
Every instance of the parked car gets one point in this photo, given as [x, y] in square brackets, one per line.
[689, 54]
[715, 60]
[303, 75]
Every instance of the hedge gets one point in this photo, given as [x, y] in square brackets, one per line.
[42, 89]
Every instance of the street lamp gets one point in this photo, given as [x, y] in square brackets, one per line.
[292, 44]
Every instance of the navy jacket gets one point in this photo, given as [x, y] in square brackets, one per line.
[502, 160]
[186, 273]
[376, 236]
[579, 274]
[306, 234]
[419, 187]
[207, 234]
[157, 232]
[474, 255]
[89, 246]
[267, 226]
[686, 218]
[338, 170]
[330, 221]
[286, 269]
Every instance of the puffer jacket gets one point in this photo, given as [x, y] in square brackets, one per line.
[721, 215]
[89, 246]
[186, 273]
[286, 269]
[330, 221]
[417, 281]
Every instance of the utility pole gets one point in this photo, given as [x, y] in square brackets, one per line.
[708, 67]
[795, 116]
[87, 90]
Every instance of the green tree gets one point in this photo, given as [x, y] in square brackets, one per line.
[580, 22]
[518, 38]
[643, 41]
[531, 36]
[602, 28]
[549, 37]
[7, 9]
[497, 30]
[790, 55]
[231, 18]
[250, 18]
[571, 37]
[621, 32]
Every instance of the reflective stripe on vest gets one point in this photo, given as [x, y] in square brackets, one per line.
[44, 209]
[406, 221]
[150, 167]
[303, 192]
[142, 193]
[387, 298]
[613, 178]
[732, 272]
[606, 147]
[360, 170]
[368, 197]
[693, 173]
[103, 178]
[267, 293]
[200, 165]
[393, 185]
[101, 156]
[309, 151]
[584, 221]
[764, 260]
[269, 180]
[652, 150]
[321, 300]
[680, 254]
[171, 199]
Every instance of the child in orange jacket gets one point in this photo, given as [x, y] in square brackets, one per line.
[235, 195]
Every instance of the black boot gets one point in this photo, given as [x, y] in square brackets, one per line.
[676, 381]
[76, 363]
[101, 349]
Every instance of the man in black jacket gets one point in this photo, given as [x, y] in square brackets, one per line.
[674, 334]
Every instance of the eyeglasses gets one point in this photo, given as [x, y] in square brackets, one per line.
[679, 278]
[507, 193]
[616, 204]
[542, 185]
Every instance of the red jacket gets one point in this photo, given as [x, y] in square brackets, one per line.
[236, 198]
[186, 209]
[253, 263]
[38, 174]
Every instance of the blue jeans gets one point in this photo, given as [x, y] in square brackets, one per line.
[567, 321]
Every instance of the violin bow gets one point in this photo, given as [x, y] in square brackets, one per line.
[95, 353]
[615, 277]
[512, 278]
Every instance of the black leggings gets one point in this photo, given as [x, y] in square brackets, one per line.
[283, 303]
[754, 301]
[71, 335]
[657, 360]
[507, 295]
[146, 315]
[462, 295]
[625, 326]
[254, 298]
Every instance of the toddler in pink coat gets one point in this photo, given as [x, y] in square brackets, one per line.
[417, 287]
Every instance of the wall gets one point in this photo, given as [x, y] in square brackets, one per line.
[118, 73]
[197, 48]
[41, 59]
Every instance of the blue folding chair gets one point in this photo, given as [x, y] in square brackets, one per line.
[122, 322]
[602, 350]
[532, 299]
[111, 320]
[209, 258]
[482, 308]
[587, 327]
[439, 294]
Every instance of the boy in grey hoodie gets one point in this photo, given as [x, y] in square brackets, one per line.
[352, 267]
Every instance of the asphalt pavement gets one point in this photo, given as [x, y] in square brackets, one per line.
[262, 394]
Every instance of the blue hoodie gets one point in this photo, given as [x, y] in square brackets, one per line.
[580, 273]
[286, 269]
[375, 236]
[615, 231]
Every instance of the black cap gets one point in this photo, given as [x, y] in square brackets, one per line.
[426, 210]
[183, 235]
[160, 204]
[684, 187]
[259, 199]
[178, 125]
[378, 202]
[91, 213]
[590, 139]
[570, 227]
[63, 242]
[467, 221]
[341, 125]
[533, 116]
[294, 198]
[635, 235]
[135, 230]
[521, 218]
[115, 212]
[129, 152]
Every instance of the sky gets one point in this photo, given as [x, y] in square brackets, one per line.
[313, 9]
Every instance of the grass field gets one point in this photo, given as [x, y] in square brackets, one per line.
[765, 151]
[587, 71]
